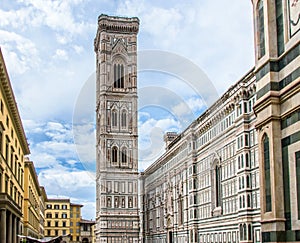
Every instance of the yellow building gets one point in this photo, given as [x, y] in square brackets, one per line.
[31, 206]
[13, 148]
[57, 221]
[43, 199]
[75, 218]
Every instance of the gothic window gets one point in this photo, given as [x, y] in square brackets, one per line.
[108, 202]
[180, 209]
[218, 185]
[130, 205]
[247, 159]
[114, 118]
[248, 181]
[241, 232]
[114, 156]
[249, 201]
[261, 29]
[124, 119]
[267, 173]
[244, 231]
[118, 76]
[124, 156]
[216, 194]
[123, 202]
[249, 232]
[116, 202]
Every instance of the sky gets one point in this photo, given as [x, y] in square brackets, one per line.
[49, 54]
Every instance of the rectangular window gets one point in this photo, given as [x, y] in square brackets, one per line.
[1, 106]
[267, 169]
[129, 187]
[1, 140]
[246, 140]
[56, 223]
[261, 29]
[116, 186]
[279, 27]
[298, 181]
[56, 206]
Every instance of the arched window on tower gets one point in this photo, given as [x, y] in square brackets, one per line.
[267, 173]
[124, 119]
[244, 232]
[118, 76]
[261, 29]
[241, 232]
[114, 119]
[124, 156]
[114, 155]
[249, 232]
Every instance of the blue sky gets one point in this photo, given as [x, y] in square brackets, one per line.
[49, 53]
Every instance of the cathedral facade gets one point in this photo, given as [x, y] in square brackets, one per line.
[233, 175]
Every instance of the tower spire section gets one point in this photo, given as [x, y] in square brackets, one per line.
[117, 214]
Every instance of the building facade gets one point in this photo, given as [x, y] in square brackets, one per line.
[87, 234]
[57, 220]
[277, 71]
[117, 213]
[43, 200]
[75, 218]
[205, 187]
[234, 174]
[31, 205]
[13, 148]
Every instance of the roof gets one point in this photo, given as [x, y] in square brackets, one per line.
[58, 200]
[86, 221]
[76, 205]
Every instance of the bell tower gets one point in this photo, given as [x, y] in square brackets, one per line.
[117, 213]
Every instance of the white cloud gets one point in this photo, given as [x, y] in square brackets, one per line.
[192, 105]
[78, 49]
[151, 144]
[79, 186]
[61, 54]
[20, 53]
[57, 15]
[85, 140]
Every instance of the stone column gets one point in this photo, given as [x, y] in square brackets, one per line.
[9, 227]
[14, 229]
[3, 225]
